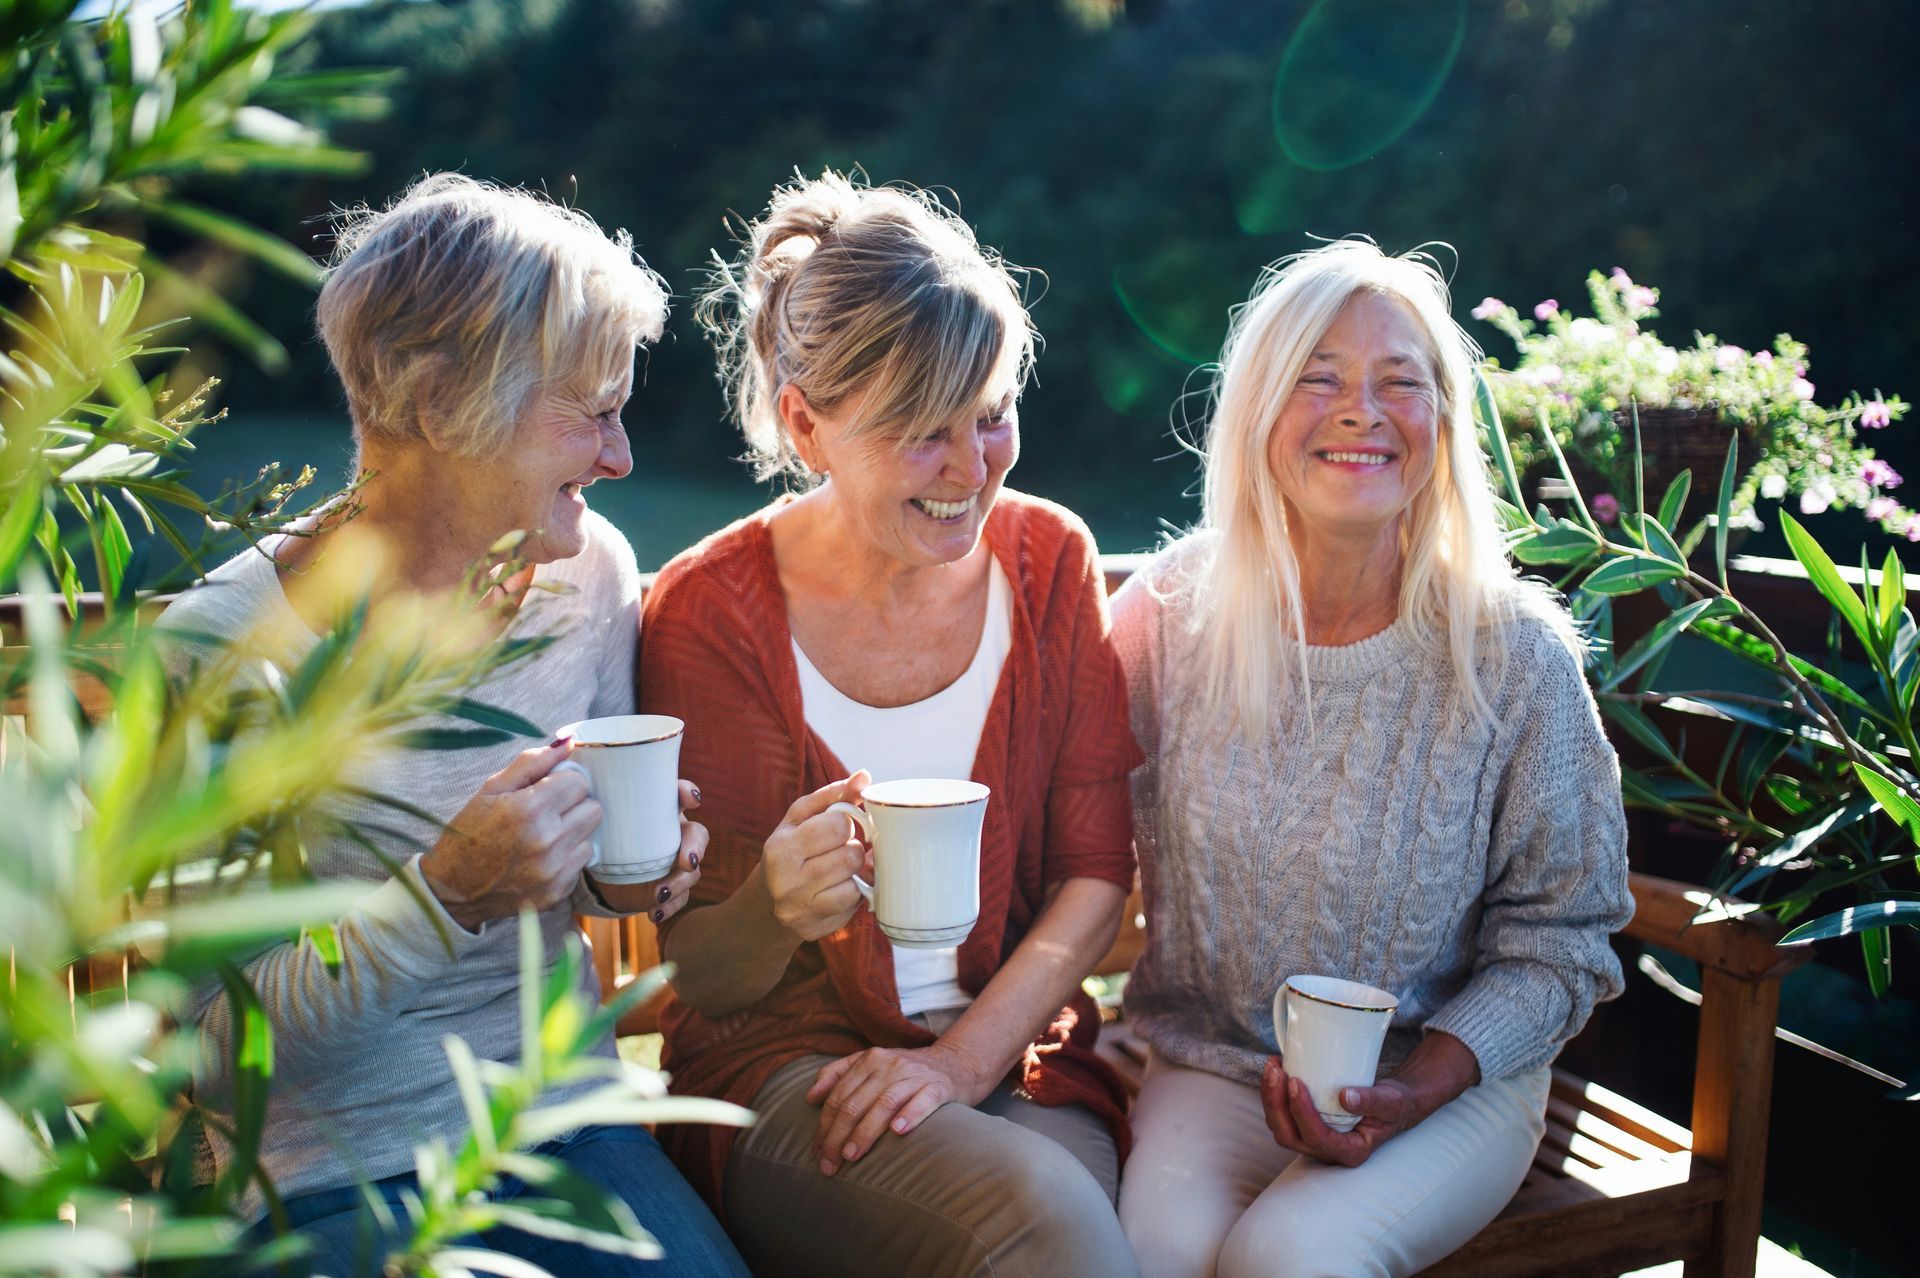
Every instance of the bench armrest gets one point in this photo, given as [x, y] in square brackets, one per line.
[1725, 933]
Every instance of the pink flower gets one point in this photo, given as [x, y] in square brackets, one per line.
[1874, 415]
[1728, 356]
[1878, 508]
[1606, 508]
[1817, 496]
[1913, 530]
[1546, 310]
[1621, 280]
[1801, 388]
[1763, 358]
[1879, 474]
[1641, 298]
[1488, 308]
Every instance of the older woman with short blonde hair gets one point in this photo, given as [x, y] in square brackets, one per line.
[922, 1111]
[485, 338]
[1371, 756]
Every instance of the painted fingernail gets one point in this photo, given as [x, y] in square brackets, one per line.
[696, 791]
[665, 892]
[659, 916]
[693, 860]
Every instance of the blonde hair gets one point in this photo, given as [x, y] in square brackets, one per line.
[445, 312]
[842, 289]
[1244, 590]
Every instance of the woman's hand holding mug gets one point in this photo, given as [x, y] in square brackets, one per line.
[522, 840]
[810, 861]
[1440, 1069]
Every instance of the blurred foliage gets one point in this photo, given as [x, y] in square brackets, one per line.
[159, 791]
[1737, 153]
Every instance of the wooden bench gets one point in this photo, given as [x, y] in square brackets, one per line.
[1613, 1187]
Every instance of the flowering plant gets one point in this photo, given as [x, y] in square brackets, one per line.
[1586, 376]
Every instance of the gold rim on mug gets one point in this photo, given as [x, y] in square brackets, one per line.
[960, 803]
[603, 745]
[1334, 1002]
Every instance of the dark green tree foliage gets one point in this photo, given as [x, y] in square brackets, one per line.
[1742, 155]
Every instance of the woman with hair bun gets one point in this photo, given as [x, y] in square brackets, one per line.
[1371, 756]
[903, 616]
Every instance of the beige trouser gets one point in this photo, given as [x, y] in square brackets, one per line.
[1208, 1191]
[1006, 1187]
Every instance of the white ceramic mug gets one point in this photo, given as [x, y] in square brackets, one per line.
[1330, 1032]
[926, 858]
[632, 766]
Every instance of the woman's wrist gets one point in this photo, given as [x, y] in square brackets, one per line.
[1439, 1071]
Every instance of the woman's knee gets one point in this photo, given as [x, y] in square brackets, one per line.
[1278, 1239]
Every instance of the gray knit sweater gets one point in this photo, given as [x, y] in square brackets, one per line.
[1475, 872]
[360, 1074]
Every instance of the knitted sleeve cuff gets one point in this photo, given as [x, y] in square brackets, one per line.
[1509, 1016]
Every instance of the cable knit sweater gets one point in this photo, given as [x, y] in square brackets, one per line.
[1474, 871]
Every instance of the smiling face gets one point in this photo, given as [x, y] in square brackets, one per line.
[1355, 442]
[919, 503]
[566, 440]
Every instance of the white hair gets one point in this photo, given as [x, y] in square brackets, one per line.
[1243, 590]
[453, 306]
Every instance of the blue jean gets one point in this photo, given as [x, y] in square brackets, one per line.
[346, 1240]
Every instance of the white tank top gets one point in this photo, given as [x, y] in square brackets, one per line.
[937, 737]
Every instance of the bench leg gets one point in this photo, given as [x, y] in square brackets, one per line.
[1732, 1094]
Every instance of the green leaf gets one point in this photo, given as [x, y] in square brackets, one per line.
[325, 940]
[1728, 474]
[1675, 501]
[1761, 654]
[1825, 576]
[251, 1061]
[1630, 574]
[1796, 844]
[1655, 537]
[24, 506]
[449, 738]
[1899, 806]
[240, 236]
[494, 717]
[1893, 595]
[1566, 472]
[1565, 543]
[1670, 627]
[1494, 437]
[1640, 727]
[1856, 918]
[1639, 464]
[1878, 960]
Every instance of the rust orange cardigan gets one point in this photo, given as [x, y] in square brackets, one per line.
[1056, 750]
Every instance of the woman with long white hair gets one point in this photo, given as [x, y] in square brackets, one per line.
[1371, 755]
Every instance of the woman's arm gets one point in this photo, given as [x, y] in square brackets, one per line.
[731, 954]
[870, 1091]
[1557, 879]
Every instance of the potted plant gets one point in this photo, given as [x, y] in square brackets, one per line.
[1594, 381]
[1815, 794]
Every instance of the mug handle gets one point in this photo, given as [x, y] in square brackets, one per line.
[865, 825]
[1280, 1018]
[594, 838]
